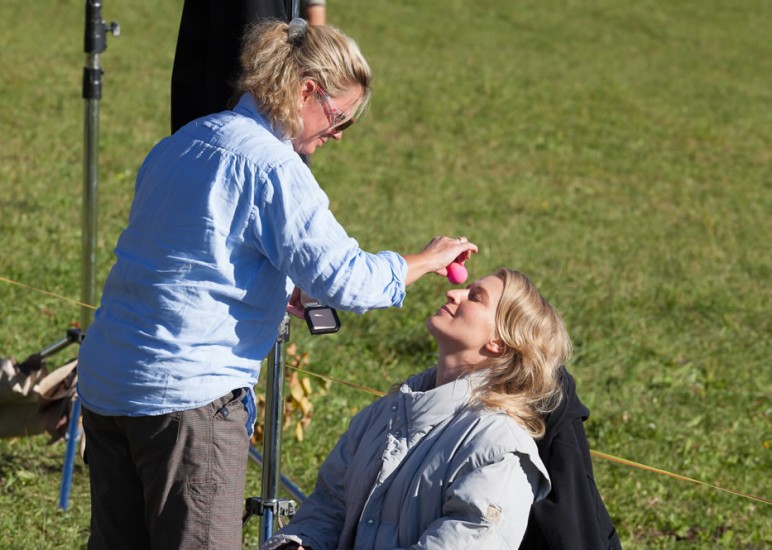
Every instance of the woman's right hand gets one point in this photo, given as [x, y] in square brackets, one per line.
[437, 255]
[295, 307]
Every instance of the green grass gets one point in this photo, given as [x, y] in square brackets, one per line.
[617, 152]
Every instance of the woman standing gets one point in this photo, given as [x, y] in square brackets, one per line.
[226, 220]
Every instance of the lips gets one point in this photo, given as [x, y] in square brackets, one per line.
[445, 308]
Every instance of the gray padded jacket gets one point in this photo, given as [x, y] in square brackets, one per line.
[422, 468]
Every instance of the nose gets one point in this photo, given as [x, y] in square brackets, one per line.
[456, 295]
[336, 135]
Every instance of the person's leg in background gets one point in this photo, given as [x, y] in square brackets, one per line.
[206, 61]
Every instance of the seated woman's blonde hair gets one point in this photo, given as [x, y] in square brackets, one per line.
[523, 381]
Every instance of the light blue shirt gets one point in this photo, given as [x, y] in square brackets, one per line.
[226, 219]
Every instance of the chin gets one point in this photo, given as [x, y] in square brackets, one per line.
[430, 326]
[304, 148]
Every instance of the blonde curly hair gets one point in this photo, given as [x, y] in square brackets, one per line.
[274, 65]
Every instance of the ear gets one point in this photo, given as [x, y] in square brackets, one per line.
[307, 88]
[495, 346]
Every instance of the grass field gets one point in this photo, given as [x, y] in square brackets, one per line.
[617, 152]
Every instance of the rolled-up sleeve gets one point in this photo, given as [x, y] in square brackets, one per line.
[299, 234]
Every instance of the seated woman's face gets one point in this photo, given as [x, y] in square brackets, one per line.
[324, 116]
[467, 320]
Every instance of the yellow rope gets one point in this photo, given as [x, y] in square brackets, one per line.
[49, 293]
[596, 454]
[632, 464]
[339, 381]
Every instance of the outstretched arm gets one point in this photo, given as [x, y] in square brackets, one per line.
[434, 258]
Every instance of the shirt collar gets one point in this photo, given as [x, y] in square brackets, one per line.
[246, 106]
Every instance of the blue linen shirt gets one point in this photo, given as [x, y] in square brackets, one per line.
[226, 219]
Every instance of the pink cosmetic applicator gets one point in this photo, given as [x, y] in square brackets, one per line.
[457, 273]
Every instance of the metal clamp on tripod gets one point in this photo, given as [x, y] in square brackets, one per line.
[278, 508]
[36, 361]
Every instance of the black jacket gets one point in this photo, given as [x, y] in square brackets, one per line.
[207, 59]
[573, 515]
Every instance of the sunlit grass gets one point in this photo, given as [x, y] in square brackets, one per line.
[618, 153]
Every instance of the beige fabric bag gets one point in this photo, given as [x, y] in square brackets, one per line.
[35, 402]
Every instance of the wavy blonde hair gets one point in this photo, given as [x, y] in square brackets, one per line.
[273, 68]
[524, 380]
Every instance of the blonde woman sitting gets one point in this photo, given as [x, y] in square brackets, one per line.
[448, 460]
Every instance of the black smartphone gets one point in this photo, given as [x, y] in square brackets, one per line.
[319, 318]
[322, 320]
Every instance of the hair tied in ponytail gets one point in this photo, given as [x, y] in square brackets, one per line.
[297, 31]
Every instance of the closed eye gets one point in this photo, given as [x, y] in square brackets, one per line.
[478, 294]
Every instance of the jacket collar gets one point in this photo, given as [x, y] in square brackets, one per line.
[427, 405]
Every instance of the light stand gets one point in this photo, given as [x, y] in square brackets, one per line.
[268, 506]
[94, 42]
[274, 408]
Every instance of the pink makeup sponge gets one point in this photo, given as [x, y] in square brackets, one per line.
[457, 273]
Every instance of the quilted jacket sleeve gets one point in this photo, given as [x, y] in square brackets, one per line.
[487, 507]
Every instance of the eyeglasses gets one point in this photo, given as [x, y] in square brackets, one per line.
[338, 120]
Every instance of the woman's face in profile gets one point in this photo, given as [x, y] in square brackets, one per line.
[467, 320]
[324, 117]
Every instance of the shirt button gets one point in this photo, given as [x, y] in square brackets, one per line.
[398, 433]
[370, 522]
[394, 407]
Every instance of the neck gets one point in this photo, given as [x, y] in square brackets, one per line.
[451, 366]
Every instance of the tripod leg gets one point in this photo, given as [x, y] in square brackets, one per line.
[274, 408]
[73, 435]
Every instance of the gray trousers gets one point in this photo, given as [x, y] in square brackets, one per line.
[169, 481]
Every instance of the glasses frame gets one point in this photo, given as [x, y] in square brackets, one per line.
[338, 119]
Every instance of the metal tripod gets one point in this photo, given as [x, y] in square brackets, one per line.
[94, 43]
[268, 506]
